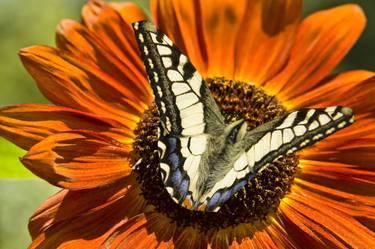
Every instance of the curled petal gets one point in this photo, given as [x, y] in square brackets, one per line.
[323, 39]
[25, 125]
[79, 160]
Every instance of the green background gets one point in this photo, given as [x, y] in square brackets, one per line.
[26, 23]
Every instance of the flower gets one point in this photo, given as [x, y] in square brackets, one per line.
[85, 143]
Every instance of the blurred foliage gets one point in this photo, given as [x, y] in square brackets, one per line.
[10, 167]
[22, 24]
[19, 199]
[32, 22]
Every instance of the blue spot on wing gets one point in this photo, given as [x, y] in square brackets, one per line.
[174, 160]
[176, 178]
[182, 189]
[225, 196]
[239, 185]
[172, 142]
[213, 201]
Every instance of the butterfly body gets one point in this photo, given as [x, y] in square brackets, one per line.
[203, 160]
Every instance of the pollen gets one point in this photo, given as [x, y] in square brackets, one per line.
[259, 198]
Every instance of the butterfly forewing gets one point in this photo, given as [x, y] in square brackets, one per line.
[184, 102]
[188, 112]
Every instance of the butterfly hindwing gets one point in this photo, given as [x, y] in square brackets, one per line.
[267, 142]
[180, 162]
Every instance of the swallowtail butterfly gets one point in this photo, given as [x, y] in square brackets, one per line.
[203, 160]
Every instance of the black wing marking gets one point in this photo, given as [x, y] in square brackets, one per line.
[184, 102]
[264, 144]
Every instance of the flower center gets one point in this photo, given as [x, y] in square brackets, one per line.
[260, 197]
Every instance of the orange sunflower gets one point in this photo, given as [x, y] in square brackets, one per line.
[259, 60]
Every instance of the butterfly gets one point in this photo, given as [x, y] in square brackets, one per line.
[203, 160]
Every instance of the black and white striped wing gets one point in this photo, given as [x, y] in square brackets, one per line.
[266, 143]
[188, 112]
[184, 102]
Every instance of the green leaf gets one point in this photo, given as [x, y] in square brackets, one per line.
[10, 166]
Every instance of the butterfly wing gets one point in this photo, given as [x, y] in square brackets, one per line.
[188, 112]
[264, 144]
[184, 102]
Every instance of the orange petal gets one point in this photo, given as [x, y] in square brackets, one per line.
[68, 81]
[90, 227]
[352, 84]
[300, 232]
[354, 205]
[130, 12]
[26, 125]
[221, 23]
[181, 21]
[360, 134]
[190, 238]
[261, 239]
[116, 38]
[337, 170]
[67, 204]
[265, 38]
[79, 160]
[151, 230]
[361, 98]
[231, 237]
[222, 38]
[264, 240]
[135, 229]
[322, 41]
[340, 181]
[278, 234]
[359, 152]
[324, 225]
[120, 71]
[246, 235]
